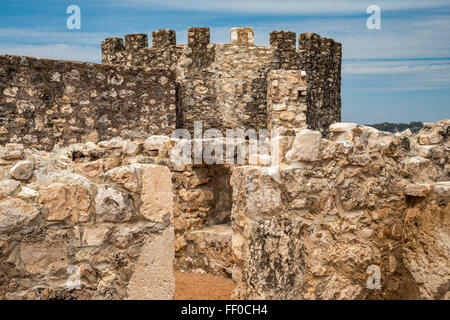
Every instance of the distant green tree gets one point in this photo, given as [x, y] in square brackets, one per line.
[398, 127]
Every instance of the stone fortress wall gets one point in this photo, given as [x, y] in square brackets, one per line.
[225, 85]
[141, 90]
[48, 102]
[303, 221]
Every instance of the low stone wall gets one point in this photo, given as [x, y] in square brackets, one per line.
[85, 222]
[311, 228]
[426, 244]
[48, 102]
[313, 225]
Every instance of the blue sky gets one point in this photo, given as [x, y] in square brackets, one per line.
[400, 73]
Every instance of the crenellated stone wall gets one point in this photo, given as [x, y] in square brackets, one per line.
[225, 85]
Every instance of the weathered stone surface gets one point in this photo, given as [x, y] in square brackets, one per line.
[427, 247]
[113, 205]
[28, 194]
[13, 151]
[9, 186]
[346, 211]
[156, 193]
[40, 259]
[98, 103]
[442, 189]
[94, 236]
[213, 247]
[418, 190]
[155, 143]
[307, 225]
[91, 169]
[305, 147]
[50, 236]
[153, 277]
[286, 99]
[128, 176]
[342, 127]
[22, 170]
[225, 85]
[15, 213]
[66, 200]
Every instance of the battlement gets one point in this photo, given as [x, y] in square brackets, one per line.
[224, 85]
[284, 40]
[242, 37]
[200, 36]
[163, 38]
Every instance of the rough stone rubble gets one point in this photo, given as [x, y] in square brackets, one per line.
[306, 229]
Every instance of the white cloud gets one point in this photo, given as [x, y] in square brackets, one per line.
[280, 6]
[352, 68]
[408, 75]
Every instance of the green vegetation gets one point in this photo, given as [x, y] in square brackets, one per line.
[398, 127]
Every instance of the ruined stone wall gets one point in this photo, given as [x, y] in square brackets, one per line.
[306, 229]
[48, 102]
[310, 228]
[88, 210]
[225, 85]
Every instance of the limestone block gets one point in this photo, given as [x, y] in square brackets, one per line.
[342, 131]
[155, 143]
[156, 193]
[40, 259]
[127, 176]
[113, 205]
[22, 170]
[9, 186]
[15, 213]
[215, 244]
[66, 200]
[91, 169]
[94, 236]
[305, 147]
[242, 36]
[153, 277]
[418, 189]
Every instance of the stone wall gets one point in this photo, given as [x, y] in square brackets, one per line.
[310, 228]
[321, 59]
[48, 102]
[202, 219]
[85, 212]
[286, 100]
[225, 85]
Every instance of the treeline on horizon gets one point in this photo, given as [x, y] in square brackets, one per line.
[398, 127]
